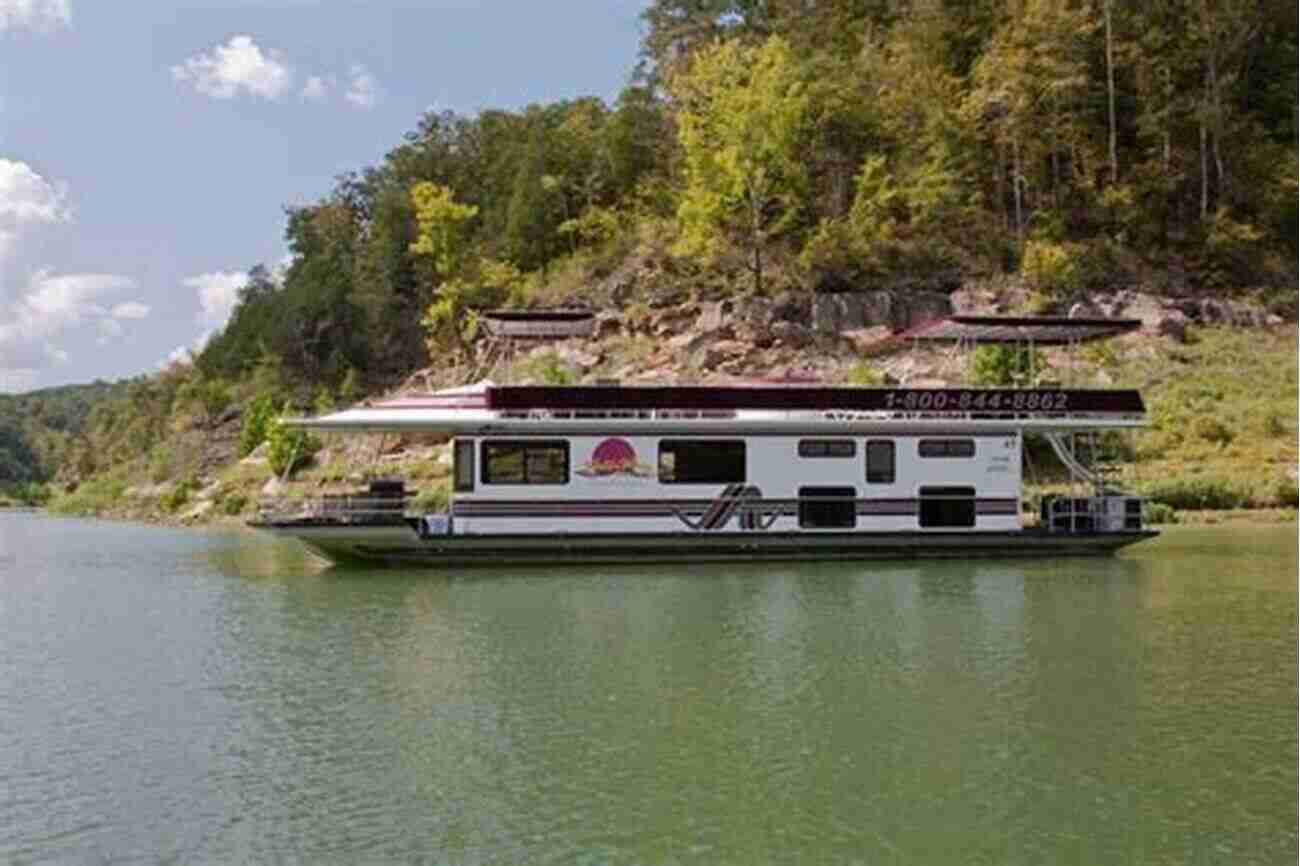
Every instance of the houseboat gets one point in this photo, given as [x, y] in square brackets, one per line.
[609, 473]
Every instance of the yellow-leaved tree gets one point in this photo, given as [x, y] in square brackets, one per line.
[742, 122]
[441, 224]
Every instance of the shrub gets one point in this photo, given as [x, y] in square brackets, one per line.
[549, 368]
[257, 421]
[1002, 366]
[1155, 513]
[1232, 252]
[162, 462]
[432, 499]
[209, 395]
[1055, 268]
[174, 499]
[864, 375]
[288, 447]
[93, 497]
[234, 504]
[31, 493]
[1197, 494]
[1287, 494]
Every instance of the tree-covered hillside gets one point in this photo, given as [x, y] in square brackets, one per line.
[40, 429]
[828, 145]
[764, 146]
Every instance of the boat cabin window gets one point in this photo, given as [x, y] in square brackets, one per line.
[947, 506]
[701, 461]
[947, 448]
[827, 448]
[463, 461]
[880, 461]
[827, 507]
[526, 462]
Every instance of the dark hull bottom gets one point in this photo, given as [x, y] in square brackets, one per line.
[400, 545]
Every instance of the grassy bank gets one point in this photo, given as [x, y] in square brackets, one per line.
[1223, 419]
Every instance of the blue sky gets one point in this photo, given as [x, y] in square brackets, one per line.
[147, 149]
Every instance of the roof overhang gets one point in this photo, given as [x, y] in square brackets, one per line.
[1022, 330]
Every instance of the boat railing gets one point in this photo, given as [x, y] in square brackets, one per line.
[338, 510]
[1109, 512]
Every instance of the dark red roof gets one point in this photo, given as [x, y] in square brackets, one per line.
[1041, 330]
[540, 324]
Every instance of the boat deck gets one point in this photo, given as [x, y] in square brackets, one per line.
[401, 544]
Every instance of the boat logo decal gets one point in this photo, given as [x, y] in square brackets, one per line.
[614, 457]
[735, 499]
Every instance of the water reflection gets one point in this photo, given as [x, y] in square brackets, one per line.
[223, 699]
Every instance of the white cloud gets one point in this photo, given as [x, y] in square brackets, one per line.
[26, 200]
[51, 305]
[57, 301]
[180, 356]
[218, 292]
[130, 310]
[363, 90]
[26, 197]
[40, 15]
[317, 88]
[184, 355]
[239, 64]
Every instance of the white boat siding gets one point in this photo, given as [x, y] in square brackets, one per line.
[633, 499]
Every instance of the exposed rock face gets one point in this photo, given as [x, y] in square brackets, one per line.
[869, 341]
[920, 307]
[849, 311]
[608, 325]
[1174, 326]
[715, 314]
[792, 307]
[834, 314]
[791, 334]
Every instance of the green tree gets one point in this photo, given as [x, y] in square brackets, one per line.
[742, 120]
[441, 222]
[529, 217]
[440, 227]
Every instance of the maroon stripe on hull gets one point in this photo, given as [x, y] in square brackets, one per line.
[711, 512]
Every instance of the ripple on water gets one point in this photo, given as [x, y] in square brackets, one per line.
[207, 698]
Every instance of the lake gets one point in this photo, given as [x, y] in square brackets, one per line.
[184, 696]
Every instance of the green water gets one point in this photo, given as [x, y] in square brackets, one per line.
[184, 697]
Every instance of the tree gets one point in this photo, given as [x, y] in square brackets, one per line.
[741, 121]
[440, 227]
[442, 223]
[528, 222]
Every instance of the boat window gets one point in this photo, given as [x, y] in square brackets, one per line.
[526, 462]
[827, 448]
[827, 507]
[463, 461]
[947, 506]
[947, 448]
[701, 461]
[880, 461]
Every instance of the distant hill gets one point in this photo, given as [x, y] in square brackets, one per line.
[38, 429]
